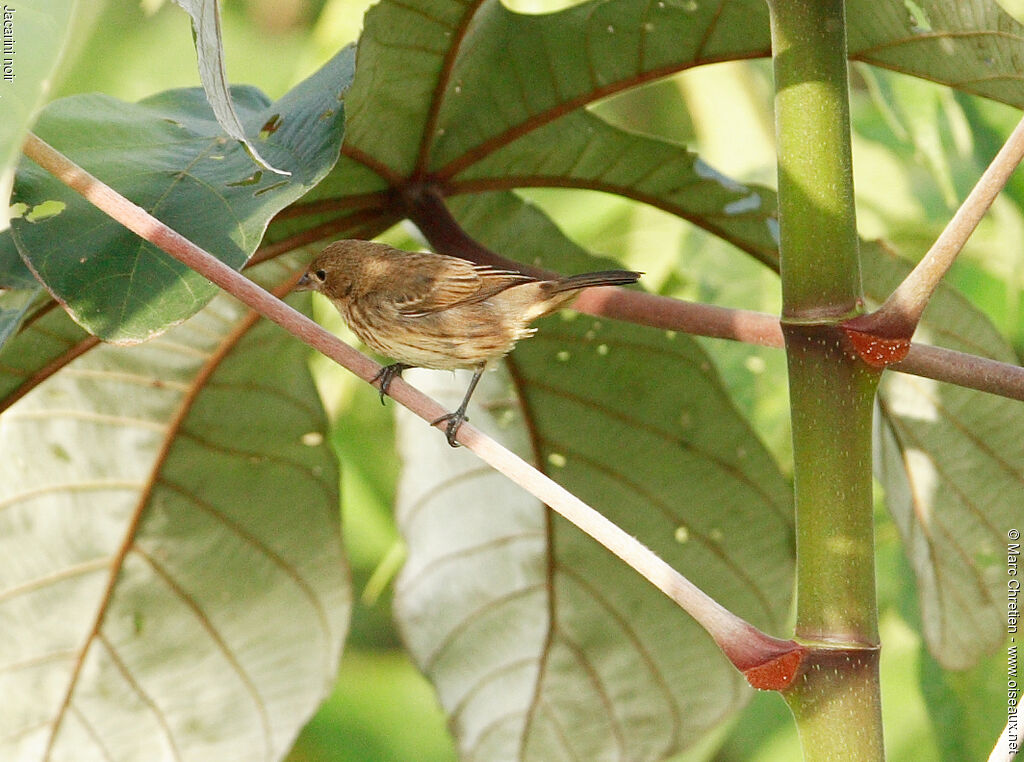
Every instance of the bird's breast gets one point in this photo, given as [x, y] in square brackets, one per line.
[466, 336]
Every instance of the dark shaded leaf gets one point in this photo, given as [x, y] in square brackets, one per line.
[168, 155]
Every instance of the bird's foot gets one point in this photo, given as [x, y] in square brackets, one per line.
[455, 420]
[386, 375]
[459, 417]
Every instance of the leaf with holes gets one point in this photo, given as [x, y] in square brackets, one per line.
[478, 98]
[168, 155]
[171, 577]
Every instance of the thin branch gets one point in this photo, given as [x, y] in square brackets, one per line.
[743, 644]
[965, 370]
[426, 208]
[899, 316]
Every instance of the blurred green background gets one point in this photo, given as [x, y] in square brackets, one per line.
[917, 149]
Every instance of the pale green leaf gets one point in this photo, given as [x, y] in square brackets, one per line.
[36, 37]
[171, 579]
[952, 464]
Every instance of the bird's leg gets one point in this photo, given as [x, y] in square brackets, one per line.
[386, 375]
[456, 419]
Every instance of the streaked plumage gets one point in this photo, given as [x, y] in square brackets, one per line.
[435, 311]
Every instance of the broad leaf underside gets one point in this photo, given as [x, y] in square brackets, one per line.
[953, 471]
[159, 505]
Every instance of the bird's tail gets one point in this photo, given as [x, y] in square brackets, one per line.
[586, 280]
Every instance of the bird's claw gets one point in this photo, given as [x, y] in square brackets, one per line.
[386, 375]
[455, 420]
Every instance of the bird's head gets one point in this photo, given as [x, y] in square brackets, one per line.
[333, 271]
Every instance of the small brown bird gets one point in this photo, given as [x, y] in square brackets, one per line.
[435, 311]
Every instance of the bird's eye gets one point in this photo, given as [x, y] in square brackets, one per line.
[321, 275]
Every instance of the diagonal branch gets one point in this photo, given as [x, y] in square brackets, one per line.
[769, 662]
[899, 316]
[426, 208]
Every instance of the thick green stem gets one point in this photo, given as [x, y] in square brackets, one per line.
[831, 399]
[835, 703]
[818, 229]
[836, 699]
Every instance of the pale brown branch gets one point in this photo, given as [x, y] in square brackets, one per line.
[901, 312]
[1005, 750]
[426, 208]
[746, 647]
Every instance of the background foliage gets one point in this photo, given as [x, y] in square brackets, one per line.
[918, 147]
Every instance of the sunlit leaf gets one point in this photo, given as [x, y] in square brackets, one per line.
[171, 577]
[971, 45]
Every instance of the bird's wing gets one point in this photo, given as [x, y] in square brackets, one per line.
[449, 283]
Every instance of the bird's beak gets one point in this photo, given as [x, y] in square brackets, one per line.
[305, 283]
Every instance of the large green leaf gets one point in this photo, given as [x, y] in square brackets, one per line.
[971, 45]
[580, 150]
[478, 74]
[477, 97]
[541, 644]
[952, 465]
[458, 80]
[171, 579]
[168, 155]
